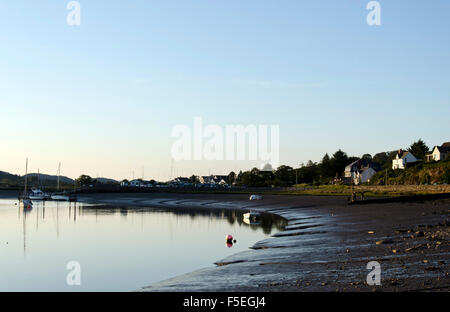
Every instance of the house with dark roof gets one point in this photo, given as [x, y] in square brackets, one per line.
[439, 152]
[402, 158]
[214, 179]
[360, 171]
[180, 181]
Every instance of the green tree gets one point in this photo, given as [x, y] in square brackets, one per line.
[309, 173]
[84, 180]
[326, 167]
[381, 158]
[194, 179]
[419, 149]
[284, 176]
[231, 177]
[255, 178]
[339, 161]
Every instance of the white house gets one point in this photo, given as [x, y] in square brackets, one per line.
[213, 179]
[366, 174]
[360, 171]
[402, 158]
[439, 152]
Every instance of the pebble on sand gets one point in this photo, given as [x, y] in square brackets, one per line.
[384, 241]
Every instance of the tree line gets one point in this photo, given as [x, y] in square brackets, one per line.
[328, 170]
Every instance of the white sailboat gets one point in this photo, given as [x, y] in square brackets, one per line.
[24, 200]
[59, 196]
[37, 193]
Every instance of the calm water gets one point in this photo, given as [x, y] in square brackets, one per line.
[118, 249]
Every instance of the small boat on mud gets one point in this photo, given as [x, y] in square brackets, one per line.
[255, 197]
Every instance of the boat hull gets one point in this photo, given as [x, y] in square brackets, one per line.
[60, 197]
[37, 197]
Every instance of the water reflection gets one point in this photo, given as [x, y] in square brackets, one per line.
[120, 248]
[38, 208]
[269, 223]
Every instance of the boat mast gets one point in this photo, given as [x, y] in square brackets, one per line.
[26, 178]
[59, 171]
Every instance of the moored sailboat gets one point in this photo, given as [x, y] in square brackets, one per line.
[38, 193]
[24, 200]
[61, 196]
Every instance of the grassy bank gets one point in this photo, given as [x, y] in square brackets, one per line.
[418, 173]
[322, 190]
[329, 190]
[369, 190]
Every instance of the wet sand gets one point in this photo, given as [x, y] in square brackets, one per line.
[325, 247]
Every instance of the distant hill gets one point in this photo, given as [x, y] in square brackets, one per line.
[106, 181]
[50, 178]
[9, 177]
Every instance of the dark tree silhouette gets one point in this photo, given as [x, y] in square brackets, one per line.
[419, 149]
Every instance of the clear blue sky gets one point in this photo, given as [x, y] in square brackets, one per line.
[103, 97]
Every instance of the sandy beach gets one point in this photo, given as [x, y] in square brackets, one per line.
[326, 245]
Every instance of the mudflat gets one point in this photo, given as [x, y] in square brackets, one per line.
[326, 245]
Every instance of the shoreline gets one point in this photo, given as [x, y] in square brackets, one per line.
[325, 246]
[376, 191]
